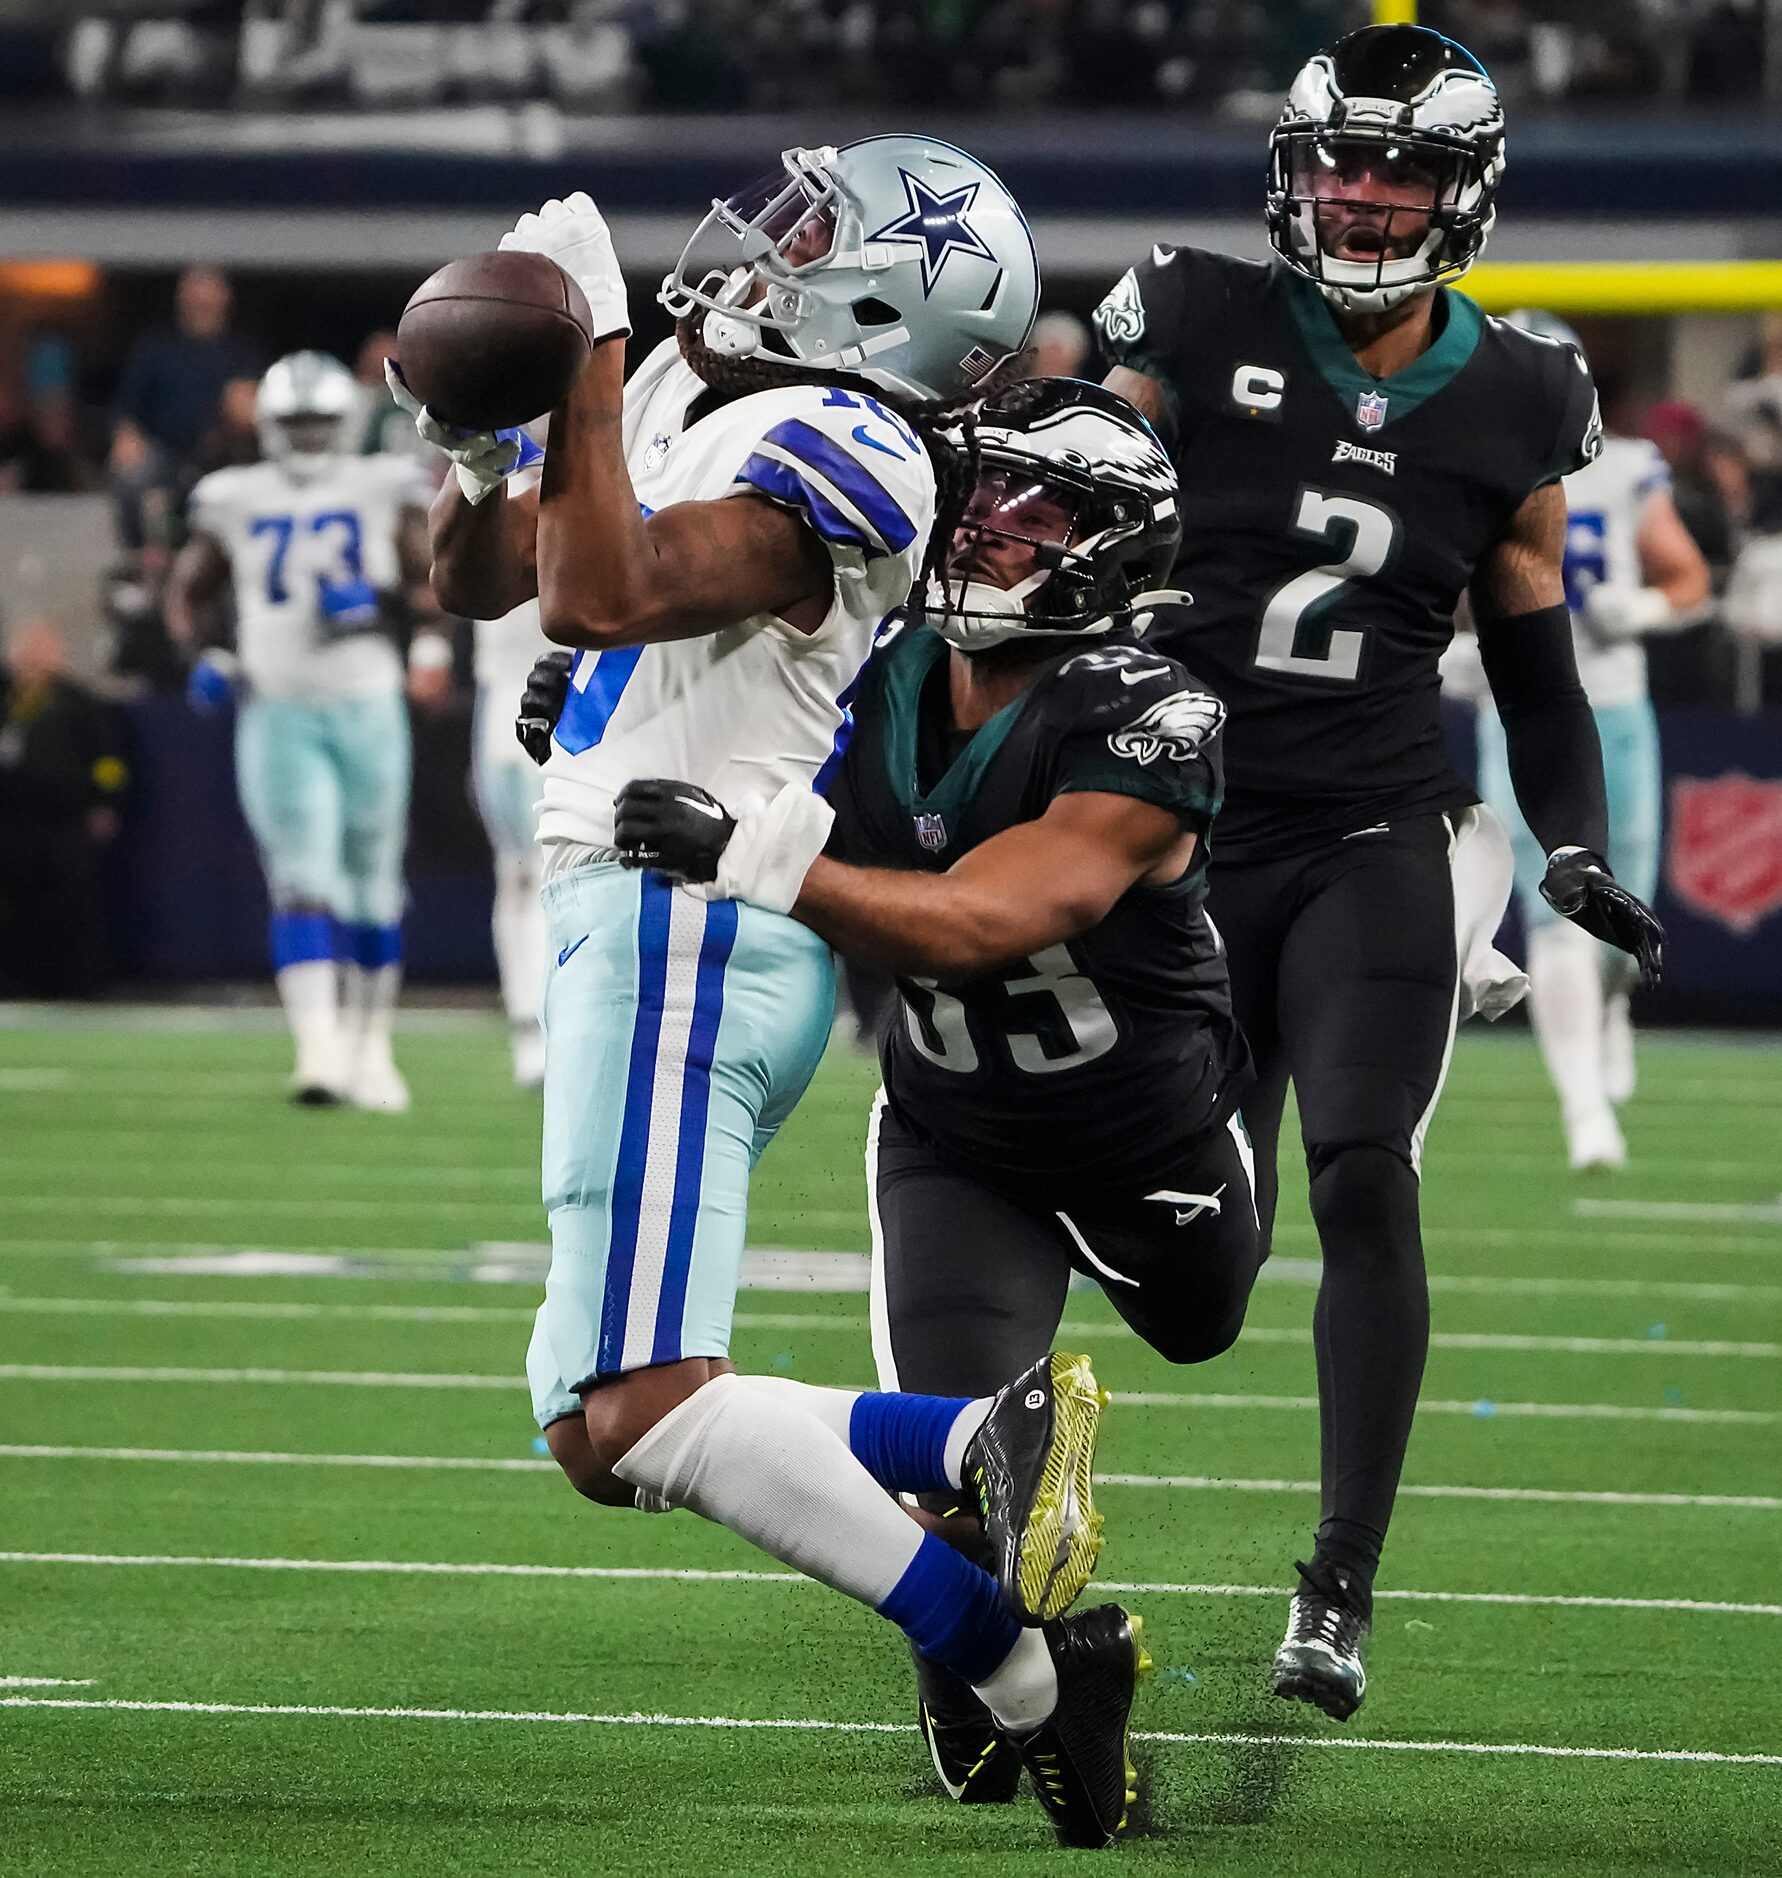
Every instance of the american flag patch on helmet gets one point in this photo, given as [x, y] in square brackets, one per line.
[977, 363]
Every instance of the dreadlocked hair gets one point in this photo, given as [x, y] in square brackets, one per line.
[947, 427]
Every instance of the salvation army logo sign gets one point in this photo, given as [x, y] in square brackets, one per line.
[1726, 848]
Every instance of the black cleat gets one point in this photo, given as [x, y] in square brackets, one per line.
[1078, 1758]
[978, 1764]
[1030, 1466]
[1319, 1660]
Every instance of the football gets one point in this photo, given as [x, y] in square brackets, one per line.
[494, 340]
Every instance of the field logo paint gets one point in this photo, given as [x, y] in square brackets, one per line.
[1726, 848]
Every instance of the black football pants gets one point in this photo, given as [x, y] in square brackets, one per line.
[969, 1276]
[1344, 979]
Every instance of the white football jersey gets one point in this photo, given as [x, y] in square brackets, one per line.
[297, 546]
[1605, 503]
[745, 710]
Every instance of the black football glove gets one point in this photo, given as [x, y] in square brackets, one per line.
[673, 827]
[1579, 887]
[542, 702]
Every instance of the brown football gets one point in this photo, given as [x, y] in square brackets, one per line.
[495, 339]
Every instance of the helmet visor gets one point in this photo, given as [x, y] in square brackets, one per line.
[1372, 200]
[1015, 527]
[309, 433]
[782, 214]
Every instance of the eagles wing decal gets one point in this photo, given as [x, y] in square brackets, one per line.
[1120, 318]
[1174, 727]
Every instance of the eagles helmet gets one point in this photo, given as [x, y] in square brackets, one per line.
[1403, 109]
[302, 407]
[900, 260]
[1072, 524]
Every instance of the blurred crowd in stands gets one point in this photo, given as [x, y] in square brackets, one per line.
[736, 55]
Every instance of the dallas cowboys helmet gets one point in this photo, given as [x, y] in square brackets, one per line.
[900, 260]
[1395, 95]
[1073, 522]
[302, 407]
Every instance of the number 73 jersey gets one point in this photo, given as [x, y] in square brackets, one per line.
[1093, 1060]
[1331, 522]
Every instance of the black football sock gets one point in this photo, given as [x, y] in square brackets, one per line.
[1371, 1333]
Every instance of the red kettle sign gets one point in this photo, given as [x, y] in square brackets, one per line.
[1726, 848]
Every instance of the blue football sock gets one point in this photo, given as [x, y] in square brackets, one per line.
[901, 1440]
[370, 947]
[951, 1610]
[300, 938]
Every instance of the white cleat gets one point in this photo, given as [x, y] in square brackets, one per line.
[1596, 1142]
[529, 1057]
[321, 1077]
[378, 1086]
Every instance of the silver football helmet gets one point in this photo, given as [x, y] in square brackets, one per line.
[1397, 102]
[900, 260]
[302, 407]
[1072, 526]
[1544, 325]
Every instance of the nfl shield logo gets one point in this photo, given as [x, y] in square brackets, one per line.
[1370, 410]
[931, 831]
[1726, 848]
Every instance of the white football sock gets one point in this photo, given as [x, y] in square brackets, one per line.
[310, 994]
[834, 1408]
[519, 933]
[1620, 1075]
[370, 1003]
[1566, 1002]
[1024, 1691]
[757, 1460]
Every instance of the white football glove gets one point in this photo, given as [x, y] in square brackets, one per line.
[484, 459]
[574, 234]
[1613, 611]
[770, 852]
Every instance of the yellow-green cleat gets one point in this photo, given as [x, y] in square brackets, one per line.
[1031, 1466]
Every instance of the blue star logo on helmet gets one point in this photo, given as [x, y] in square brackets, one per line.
[938, 223]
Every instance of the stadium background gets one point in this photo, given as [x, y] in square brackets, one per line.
[328, 153]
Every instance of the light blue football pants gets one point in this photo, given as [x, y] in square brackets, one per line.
[681, 1035]
[325, 791]
[1635, 779]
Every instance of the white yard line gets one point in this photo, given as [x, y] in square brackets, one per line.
[46, 1682]
[269, 1310]
[689, 1575]
[1683, 1212]
[300, 1710]
[1480, 1409]
[230, 1457]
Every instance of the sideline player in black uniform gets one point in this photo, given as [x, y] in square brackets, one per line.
[1359, 445]
[1023, 813]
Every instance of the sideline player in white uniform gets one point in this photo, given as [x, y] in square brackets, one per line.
[1630, 569]
[314, 541]
[508, 788]
[719, 540]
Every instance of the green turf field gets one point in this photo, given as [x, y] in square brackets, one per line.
[229, 1646]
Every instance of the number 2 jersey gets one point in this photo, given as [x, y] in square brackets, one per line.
[1331, 523]
[759, 704]
[309, 553]
[1098, 1058]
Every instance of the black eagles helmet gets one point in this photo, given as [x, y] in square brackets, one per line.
[1073, 519]
[1406, 109]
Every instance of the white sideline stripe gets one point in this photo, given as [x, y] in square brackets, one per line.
[1698, 1756]
[1479, 1409]
[689, 1575]
[1555, 1346]
[46, 1682]
[1207, 1483]
[228, 1457]
[264, 1309]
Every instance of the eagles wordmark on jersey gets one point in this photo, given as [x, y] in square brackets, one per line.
[1331, 522]
[1096, 1058]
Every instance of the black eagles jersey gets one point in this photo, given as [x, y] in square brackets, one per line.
[1093, 1059]
[1331, 522]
